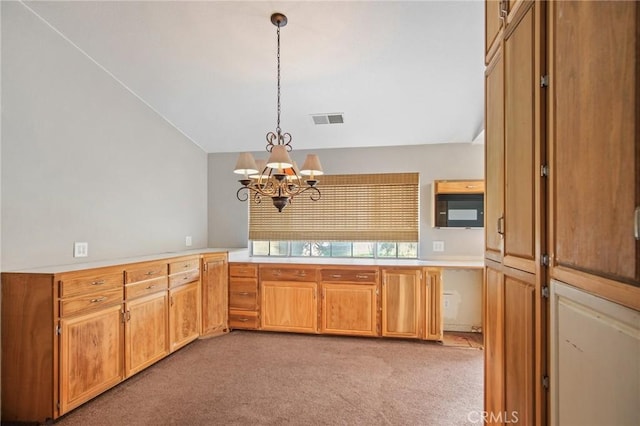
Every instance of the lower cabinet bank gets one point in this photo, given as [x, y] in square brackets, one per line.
[374, 301]
[69, 335]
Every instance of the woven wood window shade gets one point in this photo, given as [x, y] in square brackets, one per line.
[366, 207]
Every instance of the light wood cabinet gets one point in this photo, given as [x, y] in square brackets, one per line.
[458, 187]
[146, 331]
[146, 316]
[401, 296]
[289, 299]
[594, 142]
[91, 355]
[244, 306]
[433, 316]
[68, 335]
[349, 302]
[515, 310]
[215, 294]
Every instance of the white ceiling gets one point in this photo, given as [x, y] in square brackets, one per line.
[402, 72]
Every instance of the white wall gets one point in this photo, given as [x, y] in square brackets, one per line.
[83, 159]
[228, 217]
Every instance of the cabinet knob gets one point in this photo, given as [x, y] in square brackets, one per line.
[243, 319]
[99, 282]
[99, 299]
[151, 286]
[244, 293]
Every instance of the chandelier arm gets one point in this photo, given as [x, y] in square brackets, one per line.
[315, 193]
[246, 194]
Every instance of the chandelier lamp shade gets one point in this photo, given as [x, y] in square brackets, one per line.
[278, 177]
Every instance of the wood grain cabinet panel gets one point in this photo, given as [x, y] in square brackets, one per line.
[493, 329]
[146, 331]
[184, 315]
[401, 297]
[289, 306]
[349, 309]
[215, 295]
[91, 355]
[72, 285]
[146, 271]
[244, 297]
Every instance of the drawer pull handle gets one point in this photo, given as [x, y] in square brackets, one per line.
[98, 299]
[244, 293]
[185, 278]
[99, 282]
[151, 273]
[186, 265]
[151, 286]
[243, 319]
[336, 276]
[362, 276]
[302, 274]
[471, 186]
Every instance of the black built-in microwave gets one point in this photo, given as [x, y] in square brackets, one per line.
[459, 210]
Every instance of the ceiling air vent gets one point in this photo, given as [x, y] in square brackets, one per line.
[333, 118]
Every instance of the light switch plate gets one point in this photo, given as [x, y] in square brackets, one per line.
[438, 246]
[188, 241]
[80, 249]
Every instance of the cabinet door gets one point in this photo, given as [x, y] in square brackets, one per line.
[493, 342]
[595, 141]
[289, 306]
[349, 309]
[523, 197]
[493, 25]
[146, 331]
[494, 158]
[214, 296]
[519, 351]
[91, 355]
[433, 317]
[184, 315]
[401, 303]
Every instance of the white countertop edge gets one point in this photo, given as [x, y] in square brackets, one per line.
[73, 267]
[243, 256]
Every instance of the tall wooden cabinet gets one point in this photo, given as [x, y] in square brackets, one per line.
[563, 174]
[515, 312]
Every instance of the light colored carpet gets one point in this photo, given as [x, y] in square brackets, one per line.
[255, 378]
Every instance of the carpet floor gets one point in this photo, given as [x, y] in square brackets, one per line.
[260, 378]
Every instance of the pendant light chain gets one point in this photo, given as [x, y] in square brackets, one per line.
[278, 130]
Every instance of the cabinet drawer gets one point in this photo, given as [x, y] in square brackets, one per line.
[90, 302]
[243, 270]
[243, 284]
[90, 284]
[288, 274]
[184, 278]
[244, 319]
[144, 273]
[246, 300]
[184, 265]
[353, 276]
[459, 187]
[143, 288]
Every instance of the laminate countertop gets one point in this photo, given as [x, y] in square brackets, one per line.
[243, 256]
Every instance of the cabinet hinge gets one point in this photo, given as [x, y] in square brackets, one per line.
[544, 81]
[544, 170]
[205, 267]
[545, 382]
[58, 405]
[545, 260]
[545, 291]
[58, 330]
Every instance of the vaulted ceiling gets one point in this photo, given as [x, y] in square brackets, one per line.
[401, 72]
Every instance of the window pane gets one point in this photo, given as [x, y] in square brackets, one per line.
[361, 249]
[408, 250]
[300, 248]
[340, 249]
[279, 248]
[321, 249]
[387, 249]
[260, 248]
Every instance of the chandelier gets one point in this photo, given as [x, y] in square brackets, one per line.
[278, 177]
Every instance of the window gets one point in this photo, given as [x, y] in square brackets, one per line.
[370, 215]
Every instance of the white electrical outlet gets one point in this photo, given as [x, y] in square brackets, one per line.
[188, 241]
[438, 246]
[80, 249]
